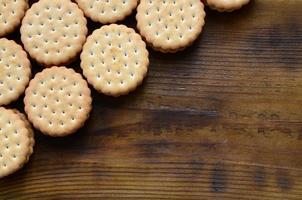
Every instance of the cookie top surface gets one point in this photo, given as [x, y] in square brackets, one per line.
[53, 32]
[15, 71]
[11, 14]
[226, 5]
[115, 60]
[107, 11]
[170, 25]
[15, 142]
[57, 101]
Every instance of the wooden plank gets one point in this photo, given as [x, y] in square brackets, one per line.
[221, 120]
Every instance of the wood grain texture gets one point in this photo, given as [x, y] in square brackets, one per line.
[220, 120]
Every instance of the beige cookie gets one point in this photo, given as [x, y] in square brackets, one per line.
[15, 71]
[11, 14]
[53, 32]
[107, 11]
[170, 25]
[57, 101]
[226, 5]
[115, 60]
[30, 131]
[16, 141]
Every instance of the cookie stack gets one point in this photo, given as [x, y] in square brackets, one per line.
[114, 60]
[16, 141]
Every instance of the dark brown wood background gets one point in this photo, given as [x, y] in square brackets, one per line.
[220, 120]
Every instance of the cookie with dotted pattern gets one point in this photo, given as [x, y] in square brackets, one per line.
[11, 14]
[16, 141]
[107, 11]
[15, 71]
[53, 32]
[170, 25]
[58, 101]
[115, 60]
[226, 5]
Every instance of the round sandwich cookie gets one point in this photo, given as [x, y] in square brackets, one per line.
[226, 5]
[53, 32]
[16, 141]
[107, 11]
[115, 60]
[58, 101]
[170, 25]
[15, 71]
[11, 14]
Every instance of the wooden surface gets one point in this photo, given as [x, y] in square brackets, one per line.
[221, 120]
